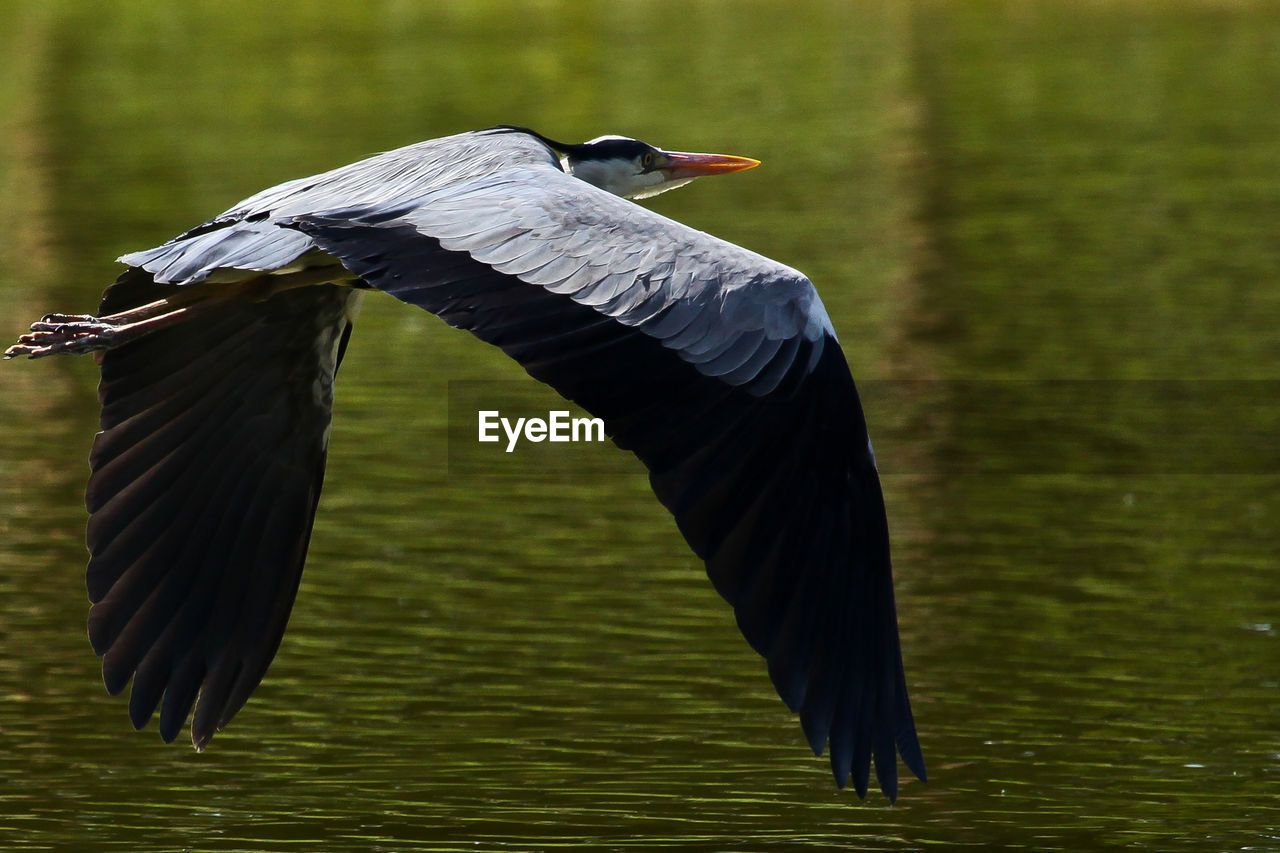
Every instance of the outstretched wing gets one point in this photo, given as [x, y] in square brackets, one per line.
[203, 488]
[719, 369]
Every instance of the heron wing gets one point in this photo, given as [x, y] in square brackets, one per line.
[204, 484]
[719, 369]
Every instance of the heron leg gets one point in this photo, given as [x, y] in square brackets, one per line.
[54, 334]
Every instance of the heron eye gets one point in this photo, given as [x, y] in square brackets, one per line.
[647, 160]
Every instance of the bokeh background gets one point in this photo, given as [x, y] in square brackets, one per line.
[1046, 232]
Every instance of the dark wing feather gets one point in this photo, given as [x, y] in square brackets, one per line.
[204, 485]
[769, 476]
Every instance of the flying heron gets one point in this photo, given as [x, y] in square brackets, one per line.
[717, 367]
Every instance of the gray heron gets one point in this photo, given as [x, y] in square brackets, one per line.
[717, 367]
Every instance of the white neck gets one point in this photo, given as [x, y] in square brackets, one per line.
[620, 177]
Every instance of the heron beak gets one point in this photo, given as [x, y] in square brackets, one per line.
[682, 166]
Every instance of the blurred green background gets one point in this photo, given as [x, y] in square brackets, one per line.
[524, 655]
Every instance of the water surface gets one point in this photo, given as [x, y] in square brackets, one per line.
[1005, 206]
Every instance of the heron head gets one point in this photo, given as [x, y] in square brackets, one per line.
[634, 169]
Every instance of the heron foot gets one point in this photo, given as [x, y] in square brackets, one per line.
[77, 334]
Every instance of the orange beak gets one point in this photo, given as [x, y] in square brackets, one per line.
[680, 165]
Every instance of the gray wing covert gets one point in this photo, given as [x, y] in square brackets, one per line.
[725, 310]
[223, 244]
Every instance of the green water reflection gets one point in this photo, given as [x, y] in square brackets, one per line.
[525, 656]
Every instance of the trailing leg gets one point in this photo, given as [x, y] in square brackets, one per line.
[78, 334]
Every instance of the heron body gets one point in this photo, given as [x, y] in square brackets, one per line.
[717, 367]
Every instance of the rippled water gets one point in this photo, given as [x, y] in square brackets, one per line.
[1047, 235]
